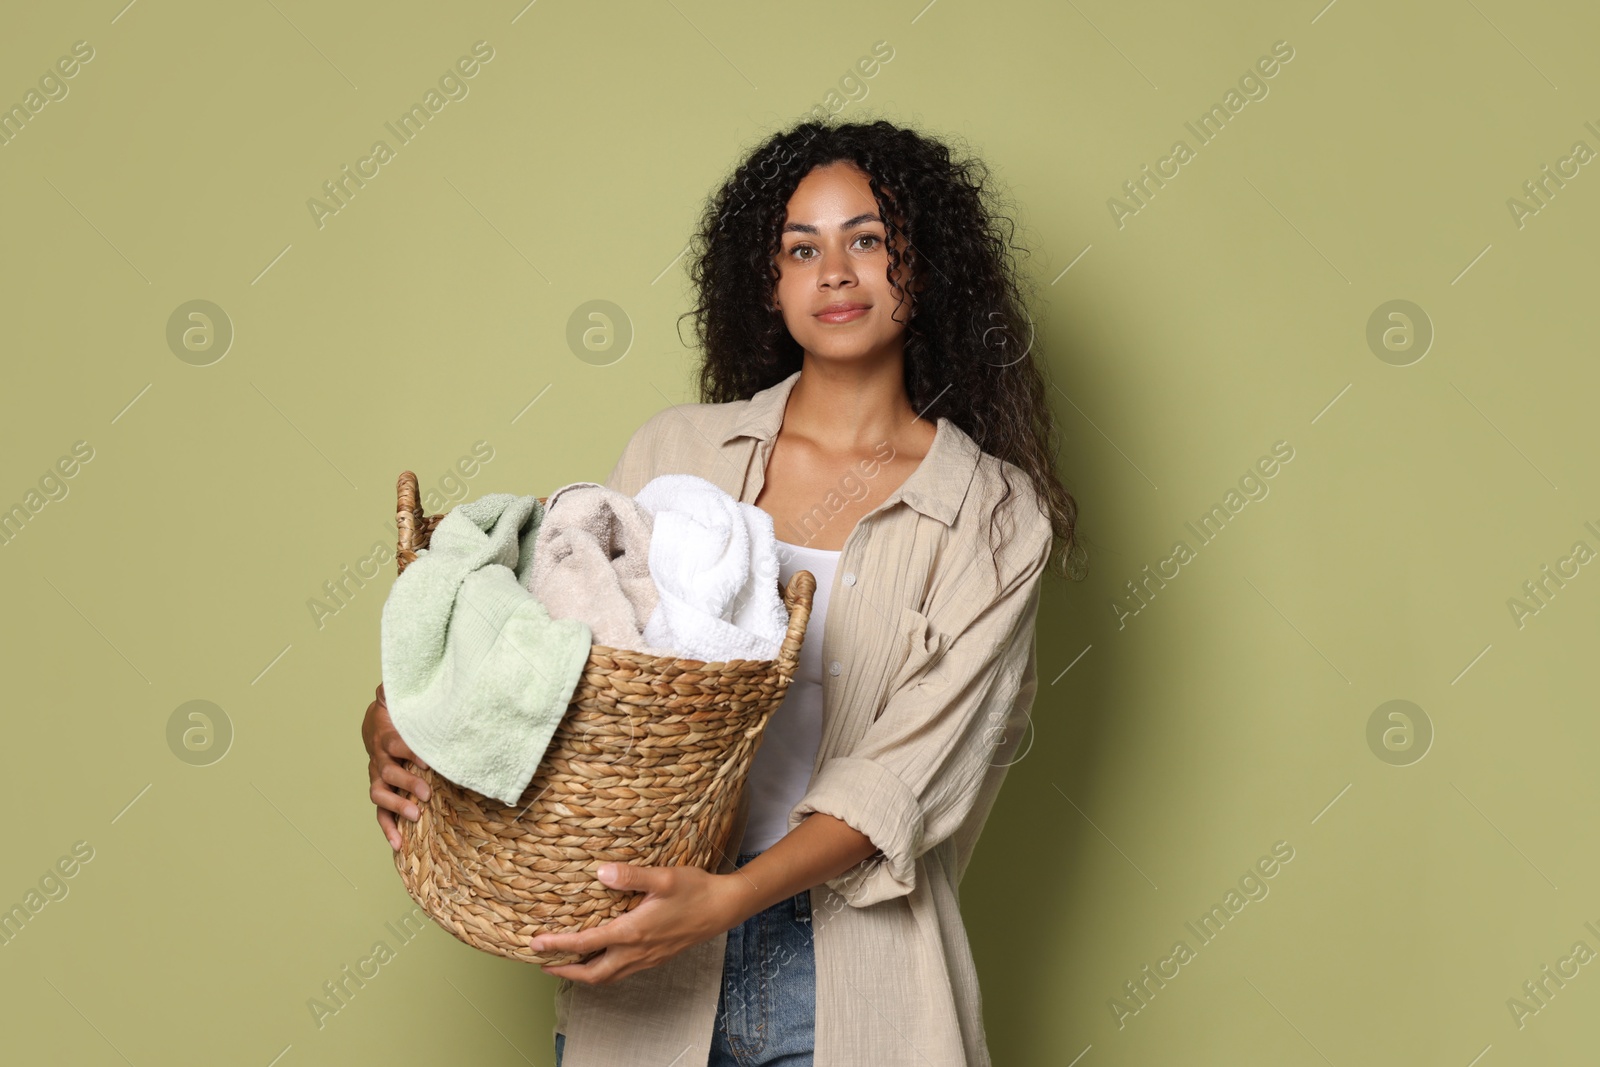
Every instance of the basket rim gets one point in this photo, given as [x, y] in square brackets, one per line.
[412, 522]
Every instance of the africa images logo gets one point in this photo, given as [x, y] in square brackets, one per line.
[1252, 486]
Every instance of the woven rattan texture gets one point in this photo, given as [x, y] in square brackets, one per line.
[646, 767]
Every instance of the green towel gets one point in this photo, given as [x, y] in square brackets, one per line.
[475, 672]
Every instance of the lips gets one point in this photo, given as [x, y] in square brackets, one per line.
[842, 312]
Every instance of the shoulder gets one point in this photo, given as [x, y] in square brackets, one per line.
[995, 551]
[679, 426]
[1003, 511]
[988, 575]
[679, 437]
[679, 419]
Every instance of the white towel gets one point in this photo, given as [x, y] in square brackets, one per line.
[715, 564]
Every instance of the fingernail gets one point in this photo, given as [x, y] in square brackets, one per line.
[422, 791]
[411, 812]
[536, 944]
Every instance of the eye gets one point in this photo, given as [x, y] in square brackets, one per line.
[794, 251]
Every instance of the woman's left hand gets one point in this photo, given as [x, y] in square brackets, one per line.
[683, 906]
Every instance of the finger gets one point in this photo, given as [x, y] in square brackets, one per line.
[395, 745]
[582, 942]
[600, 969]
[391, 801]
[390, 830]
[395, 774]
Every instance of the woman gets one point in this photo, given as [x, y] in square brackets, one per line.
[866, 382]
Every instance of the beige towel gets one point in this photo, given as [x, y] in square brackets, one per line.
[592, 563]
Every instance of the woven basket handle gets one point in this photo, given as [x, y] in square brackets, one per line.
[797, 598]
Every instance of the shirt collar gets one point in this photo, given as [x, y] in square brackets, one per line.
[936, 488]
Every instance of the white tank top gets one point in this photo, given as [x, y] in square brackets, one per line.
[781, 767]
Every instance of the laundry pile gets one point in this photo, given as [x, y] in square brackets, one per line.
[486, 633]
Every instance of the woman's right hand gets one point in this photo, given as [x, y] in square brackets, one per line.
[384, 747]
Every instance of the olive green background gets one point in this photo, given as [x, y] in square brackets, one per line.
[433, 311]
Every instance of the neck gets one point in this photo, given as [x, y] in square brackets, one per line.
[850, 405]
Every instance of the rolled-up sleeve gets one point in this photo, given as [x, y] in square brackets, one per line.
[917, 772]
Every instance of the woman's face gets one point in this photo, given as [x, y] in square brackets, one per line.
[834, 253]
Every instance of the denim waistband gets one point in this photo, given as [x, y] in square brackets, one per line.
[800, 903]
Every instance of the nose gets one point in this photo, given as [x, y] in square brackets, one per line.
[836, 270]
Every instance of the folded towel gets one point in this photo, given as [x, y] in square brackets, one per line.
[592, 562]
[476, 673]
[715, 564]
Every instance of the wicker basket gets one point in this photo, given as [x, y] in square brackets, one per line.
[646, 767]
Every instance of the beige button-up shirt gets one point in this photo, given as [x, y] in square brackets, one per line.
[930, 677]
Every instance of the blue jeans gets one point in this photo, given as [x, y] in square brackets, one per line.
[766, 1011]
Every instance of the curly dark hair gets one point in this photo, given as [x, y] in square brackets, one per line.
[969, 342]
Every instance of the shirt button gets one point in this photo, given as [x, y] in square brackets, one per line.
[849, 578]
[833, 668]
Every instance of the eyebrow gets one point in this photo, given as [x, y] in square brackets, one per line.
[805, 227]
